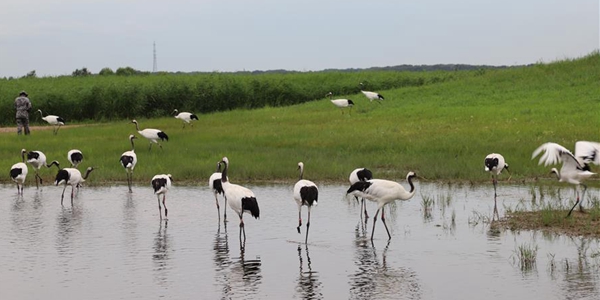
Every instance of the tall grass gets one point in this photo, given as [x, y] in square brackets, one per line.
[441, 131]
[102, 98]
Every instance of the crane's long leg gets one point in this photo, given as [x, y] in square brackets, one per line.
[165, 204]
[495, 181]
[242, 230]
[159, 209]
[582, 197]
[63, 195]
[218, 208]
[374, 222]
[576, 202]
[364, 205]
[72, 194]
[37, 176]
[299, 218]
[225, 209]
[383, 220]
[307, 226]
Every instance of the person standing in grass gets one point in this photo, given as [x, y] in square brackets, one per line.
[23, 106]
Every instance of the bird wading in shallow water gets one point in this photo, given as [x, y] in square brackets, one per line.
[361, 174]
[72, 177]
[575, 168]
[18, 173]
[306, 194]
[37, 159]
[161, 184]
[495, 164]
[215, 185]
[128, 161]
[240, 199]
[383, 192]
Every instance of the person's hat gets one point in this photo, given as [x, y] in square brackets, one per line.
[23, 93]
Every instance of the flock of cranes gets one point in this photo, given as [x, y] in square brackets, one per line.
[575, 169]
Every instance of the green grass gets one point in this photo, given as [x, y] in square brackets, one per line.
[441, 131]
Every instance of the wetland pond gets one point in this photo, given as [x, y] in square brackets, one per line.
[112, 245]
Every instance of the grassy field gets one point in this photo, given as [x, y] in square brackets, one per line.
[441, 131]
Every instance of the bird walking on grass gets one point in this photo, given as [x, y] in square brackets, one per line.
[153, 135]
[75, 157]
[383, 192]
[306, 194]
[186, 117]
[575, 168]
[371, 95]
[341, 103]
[53, 120]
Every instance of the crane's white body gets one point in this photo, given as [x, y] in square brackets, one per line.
[361, 174]
[75, 157]
[186, 117]
[53, 120]
[306, 193]
[216, 186]
[161, 184]
[341, 103]
[18, 172]
[574, 169]
[128, 161]
[371, 95]
[72, 177]
[383, 192]
[152, 135]
[240, 199]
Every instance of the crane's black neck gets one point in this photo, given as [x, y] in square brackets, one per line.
[136, 126]
[132, 145]
[412, 186]
[224, 173]
[87, 173]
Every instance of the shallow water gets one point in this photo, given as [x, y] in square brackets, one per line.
[112, 245]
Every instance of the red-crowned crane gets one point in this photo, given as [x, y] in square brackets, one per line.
[128, 161]
[161, 184]
[53, 120]
[240, 199]
[37, 159]
[495, 164]
[75, 157]
[383, 192]
[306, 193]
[371, 95]
[575, 168]
[18, 173]
[214, 183]
[361, 174]
[72, 177]
[341, 103]
[153, 135]
[186, 117]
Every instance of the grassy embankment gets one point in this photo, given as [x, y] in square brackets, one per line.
[441, 130]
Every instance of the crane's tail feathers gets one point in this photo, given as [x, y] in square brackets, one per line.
[249, 204]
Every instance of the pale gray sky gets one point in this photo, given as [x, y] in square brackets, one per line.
[56, 37]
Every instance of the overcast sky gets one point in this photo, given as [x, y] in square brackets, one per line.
[57, 37]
